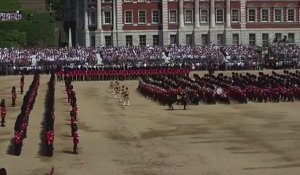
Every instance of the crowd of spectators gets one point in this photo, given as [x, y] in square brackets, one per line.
[285, 51]
[198, 57]
[117, 55]
[10, 16]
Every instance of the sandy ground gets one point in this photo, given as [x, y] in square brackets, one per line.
[147, 139]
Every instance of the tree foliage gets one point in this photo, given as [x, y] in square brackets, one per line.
[57, 7]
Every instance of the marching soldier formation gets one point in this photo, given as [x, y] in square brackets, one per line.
[99, 74]
[22, 120]
[73, 113]
[50, 117]
[210, 88]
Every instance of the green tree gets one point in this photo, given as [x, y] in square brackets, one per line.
[57, 7]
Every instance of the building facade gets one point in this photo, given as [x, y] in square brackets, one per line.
[184, 22]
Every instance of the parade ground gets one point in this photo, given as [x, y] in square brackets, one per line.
[147, 139]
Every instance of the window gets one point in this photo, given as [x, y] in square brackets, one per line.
[265, 15]
[107, 17]
[220, 39]
[265, 39]
[155, 40]
[291, 15]
[291, 37]
[251, 15]
[142, 40]
[189, 39]
[128, 17]
[235, 16]
[127, 0]
[204, 16]
[235, 39]
[128, 40]
[188, 16]
[173, 16]
[106, 0]
[173, 39]
[278, 15]
[204, 38]
[278, 36]
[108, 41]
[220, 15]
[252, 39]
[155, 16]
[142, 17]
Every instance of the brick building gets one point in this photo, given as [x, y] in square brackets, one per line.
[185, 22]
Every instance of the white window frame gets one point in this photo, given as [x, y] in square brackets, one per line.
[254, 39]
[176, 16]
[128, 42]
[239, 15]
[287, 14]
[140, 36]
[139, 16]
[157, 17]
[238, 38]
[153, 40]
[207, 16]
[281, 14]
[125, 22]
[111, 20]
[261, 15]
[220, 22]
[248, 15]
[188, 22]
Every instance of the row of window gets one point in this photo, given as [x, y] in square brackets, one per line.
[205, 39]
[265, 16]
[278, 15]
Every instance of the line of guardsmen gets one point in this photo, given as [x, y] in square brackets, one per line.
[71, 95]
[50, 116]
[76, 74]
[21, 123]
[163, 92]
[210, 88]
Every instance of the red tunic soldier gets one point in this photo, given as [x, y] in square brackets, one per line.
[75, 142]
[50, 141]
[18, 141]
[74, 127]
[13, 96]
[22, 84]
[3, 112]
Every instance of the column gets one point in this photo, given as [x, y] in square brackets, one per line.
[114, 15]
[115, 35]
[77, 15]
[228, 20]
[99, 25]
[86, 18]
[197, 14]
[86, 24]
[212, 14]
[181, 18]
